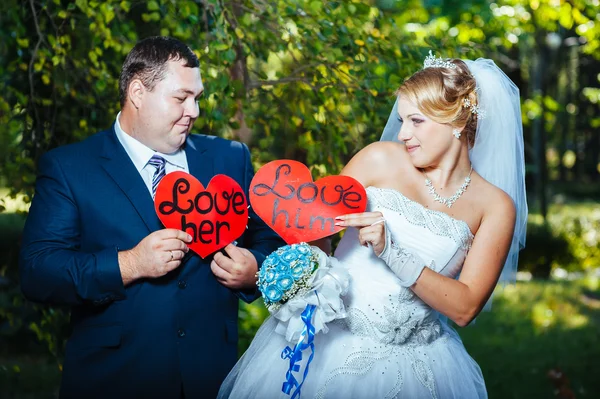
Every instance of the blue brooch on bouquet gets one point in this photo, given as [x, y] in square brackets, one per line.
[302, 288]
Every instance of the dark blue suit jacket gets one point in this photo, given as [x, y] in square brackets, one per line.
[155, 336]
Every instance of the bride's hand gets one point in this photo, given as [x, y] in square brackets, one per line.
[371, 228]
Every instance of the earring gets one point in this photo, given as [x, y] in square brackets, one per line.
[456, 133]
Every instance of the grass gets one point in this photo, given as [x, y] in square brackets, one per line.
[534, 328]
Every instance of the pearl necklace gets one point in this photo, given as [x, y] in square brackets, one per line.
[448, 201]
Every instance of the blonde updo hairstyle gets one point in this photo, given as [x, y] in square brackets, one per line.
[439, 93]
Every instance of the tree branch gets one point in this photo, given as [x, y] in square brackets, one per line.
[261, 83]
[38, 122]
[240, 62]
[47, 12]
[267, 23]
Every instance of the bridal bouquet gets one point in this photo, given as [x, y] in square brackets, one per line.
[302, 289]
[299, 277]
[285, 273]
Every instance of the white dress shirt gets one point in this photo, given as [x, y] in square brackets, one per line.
[140, 154]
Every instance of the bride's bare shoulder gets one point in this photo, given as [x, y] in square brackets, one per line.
[369, 162]
[380, 153]
[494, 201]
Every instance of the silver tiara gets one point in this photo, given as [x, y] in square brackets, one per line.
[431, 61]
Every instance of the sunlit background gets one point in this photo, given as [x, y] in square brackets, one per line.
[313, 81]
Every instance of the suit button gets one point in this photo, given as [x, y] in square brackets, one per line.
[181, 333]
[182, 284]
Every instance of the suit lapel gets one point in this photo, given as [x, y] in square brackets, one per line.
[118, 165]
[200, 161]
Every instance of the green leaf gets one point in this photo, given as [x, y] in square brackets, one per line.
[316, 7]
[220, 46]
[100, 85]
[82, 4]
[23, 42]
[566, 16]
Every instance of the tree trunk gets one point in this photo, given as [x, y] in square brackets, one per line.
[239, 72]
[538, 129]
[563, 119]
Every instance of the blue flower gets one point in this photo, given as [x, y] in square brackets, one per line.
[304, 249]
[274, 258]
[290, 255]
[298, 271]
[272, 293]
[284, 282]
[283, 267]
[267, 275]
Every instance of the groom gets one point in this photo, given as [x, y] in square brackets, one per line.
[149, 318]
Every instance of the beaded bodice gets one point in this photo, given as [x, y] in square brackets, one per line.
[378, 307]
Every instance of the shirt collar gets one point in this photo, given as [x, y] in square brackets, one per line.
[140, 154]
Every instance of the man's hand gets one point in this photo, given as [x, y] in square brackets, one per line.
[156, 255]
[238, 271]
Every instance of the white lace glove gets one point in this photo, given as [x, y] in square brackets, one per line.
[405, 264]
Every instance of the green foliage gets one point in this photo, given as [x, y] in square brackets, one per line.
[304, 79]
[533, 328]
[23, 326]
[29, 378]
[580, 226]
[251, 316]
[568, 239]
[282, 75]
[544, 248]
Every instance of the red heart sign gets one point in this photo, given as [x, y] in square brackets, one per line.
[214, 217]
[284, 195]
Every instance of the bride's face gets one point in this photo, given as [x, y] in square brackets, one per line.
[426, 140]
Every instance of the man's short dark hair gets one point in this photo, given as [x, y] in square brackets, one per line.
[148, 59]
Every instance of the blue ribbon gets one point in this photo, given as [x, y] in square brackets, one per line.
[295, 355]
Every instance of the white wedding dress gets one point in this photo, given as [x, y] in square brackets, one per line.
[391, 344]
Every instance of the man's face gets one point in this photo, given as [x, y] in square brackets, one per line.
[168, 112]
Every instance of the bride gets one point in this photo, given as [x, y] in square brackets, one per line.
[445, 221]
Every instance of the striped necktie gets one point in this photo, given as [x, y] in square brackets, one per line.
[159, 163]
